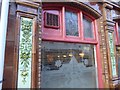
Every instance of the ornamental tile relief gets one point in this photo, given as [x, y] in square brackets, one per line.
[112, 55]
[25, 53]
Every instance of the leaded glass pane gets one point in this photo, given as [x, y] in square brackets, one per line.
[71, 22]
[68, 65]
[88, 32]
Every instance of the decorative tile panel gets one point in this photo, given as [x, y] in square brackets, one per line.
[25, 54]
[112, 54]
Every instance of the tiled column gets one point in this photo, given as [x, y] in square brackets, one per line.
[28, 11]
[110, 70]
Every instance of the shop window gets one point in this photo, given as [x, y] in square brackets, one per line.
[88, 31]
[51, 20]
[68, 65]
[71, 22]
[68, 56]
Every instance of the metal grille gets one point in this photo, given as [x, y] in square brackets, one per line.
[51, 20]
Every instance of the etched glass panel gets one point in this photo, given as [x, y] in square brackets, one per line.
[88, 31]
[25, 55]
[68, 65]
[71, 22]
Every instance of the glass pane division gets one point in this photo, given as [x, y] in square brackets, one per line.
[68, 65]
[71, 22]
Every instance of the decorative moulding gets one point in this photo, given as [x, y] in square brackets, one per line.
[29, 3]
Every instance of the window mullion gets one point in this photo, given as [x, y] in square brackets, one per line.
[63, 21]
[81, 25]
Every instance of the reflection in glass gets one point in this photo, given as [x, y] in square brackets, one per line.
[68, 65]
[71, 22]
[88, 33]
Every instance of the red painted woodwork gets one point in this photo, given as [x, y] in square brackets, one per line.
[98, 58]
[56, 32]
[51, 34]
[59, 34]
[117, 40]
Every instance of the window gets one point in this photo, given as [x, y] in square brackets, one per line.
[68, 24]
[88, 31]
[71, 22]
[68, 57]
[68, 65]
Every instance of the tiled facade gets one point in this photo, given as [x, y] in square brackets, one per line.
[105, 14]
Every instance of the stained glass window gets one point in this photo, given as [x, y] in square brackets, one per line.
[71, 22]
[88, 33]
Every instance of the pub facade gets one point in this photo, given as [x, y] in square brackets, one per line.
[65, 44]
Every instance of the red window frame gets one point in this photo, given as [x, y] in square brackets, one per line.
[60, 35]
[117, 39]
[51, 32]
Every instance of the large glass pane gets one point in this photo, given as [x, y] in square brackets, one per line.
[88, 32]
[68, 65]
[71, 22]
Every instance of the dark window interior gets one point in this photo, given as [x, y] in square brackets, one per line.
[51, 20]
